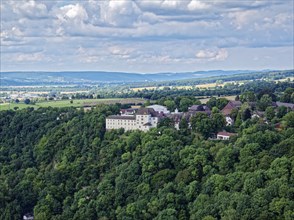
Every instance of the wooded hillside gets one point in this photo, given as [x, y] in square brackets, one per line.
[62, 164]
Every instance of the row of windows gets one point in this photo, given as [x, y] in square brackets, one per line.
[121, 123]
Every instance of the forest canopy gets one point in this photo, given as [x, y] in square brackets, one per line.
[63, 164]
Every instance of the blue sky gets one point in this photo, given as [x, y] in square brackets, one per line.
[146, 36]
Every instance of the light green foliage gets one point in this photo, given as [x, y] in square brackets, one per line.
[170, 104]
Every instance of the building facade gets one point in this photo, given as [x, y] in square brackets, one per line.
[144, 120]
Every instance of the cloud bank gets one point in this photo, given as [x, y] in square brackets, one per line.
[129, 35]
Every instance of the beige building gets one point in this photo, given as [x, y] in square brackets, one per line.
[144, 120]
[224, 135]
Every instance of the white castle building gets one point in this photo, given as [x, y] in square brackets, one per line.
[144, 120]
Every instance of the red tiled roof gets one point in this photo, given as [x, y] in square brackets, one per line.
[230, 106]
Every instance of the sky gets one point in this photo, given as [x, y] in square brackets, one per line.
[146, 36]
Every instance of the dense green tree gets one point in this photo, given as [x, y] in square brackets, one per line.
[288, 119]
[166, 122]
[201, 123]
[170, 104]
[218, 122]
[281, 111]
[73, 169]
[184, 104]
[248, 97]
[215, 110]
[288, 95]
[264, 102]
[220, 103]
[246, 114]
[27, 101]
[270, 113]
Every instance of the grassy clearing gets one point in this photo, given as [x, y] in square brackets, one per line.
[143, 88]
[66, 103]
[231, 98]
[208, 85]
[285, 79]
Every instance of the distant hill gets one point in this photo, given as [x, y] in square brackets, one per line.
[49, 78]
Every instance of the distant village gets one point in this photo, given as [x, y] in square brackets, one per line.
[145, 118]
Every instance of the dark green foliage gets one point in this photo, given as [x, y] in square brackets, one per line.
[288, 119]
[219, 103]
[264, 102]
[270, 113]
[288, 95]
[246, 114]
[202, 124]
[72, 168]
[27, 101]
[248, 97]
[166, 122]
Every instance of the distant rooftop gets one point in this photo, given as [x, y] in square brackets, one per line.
[223, 133]
[146, 111]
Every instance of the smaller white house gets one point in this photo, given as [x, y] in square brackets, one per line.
[28, 216]
[257, 114]
[224, 135]
[229, 121]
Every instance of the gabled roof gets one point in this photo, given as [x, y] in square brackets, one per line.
[128, 110]
[228, 134]
[259, 113]
[288, 105]
[235, 104]
[196, 108]
[147, 111]
[230, 106]
[199, 108]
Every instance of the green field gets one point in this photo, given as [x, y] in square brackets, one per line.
[66, 103]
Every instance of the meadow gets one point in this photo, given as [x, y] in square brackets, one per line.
[199, 86]
[67, 103]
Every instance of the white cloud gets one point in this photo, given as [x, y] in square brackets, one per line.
[142, 32]
[172, 3]
[197, 5]
[34, 57]
[212, 55]
[241, 18]
[72, 12]
[31, 9]
[122, 52]
[120, 13]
